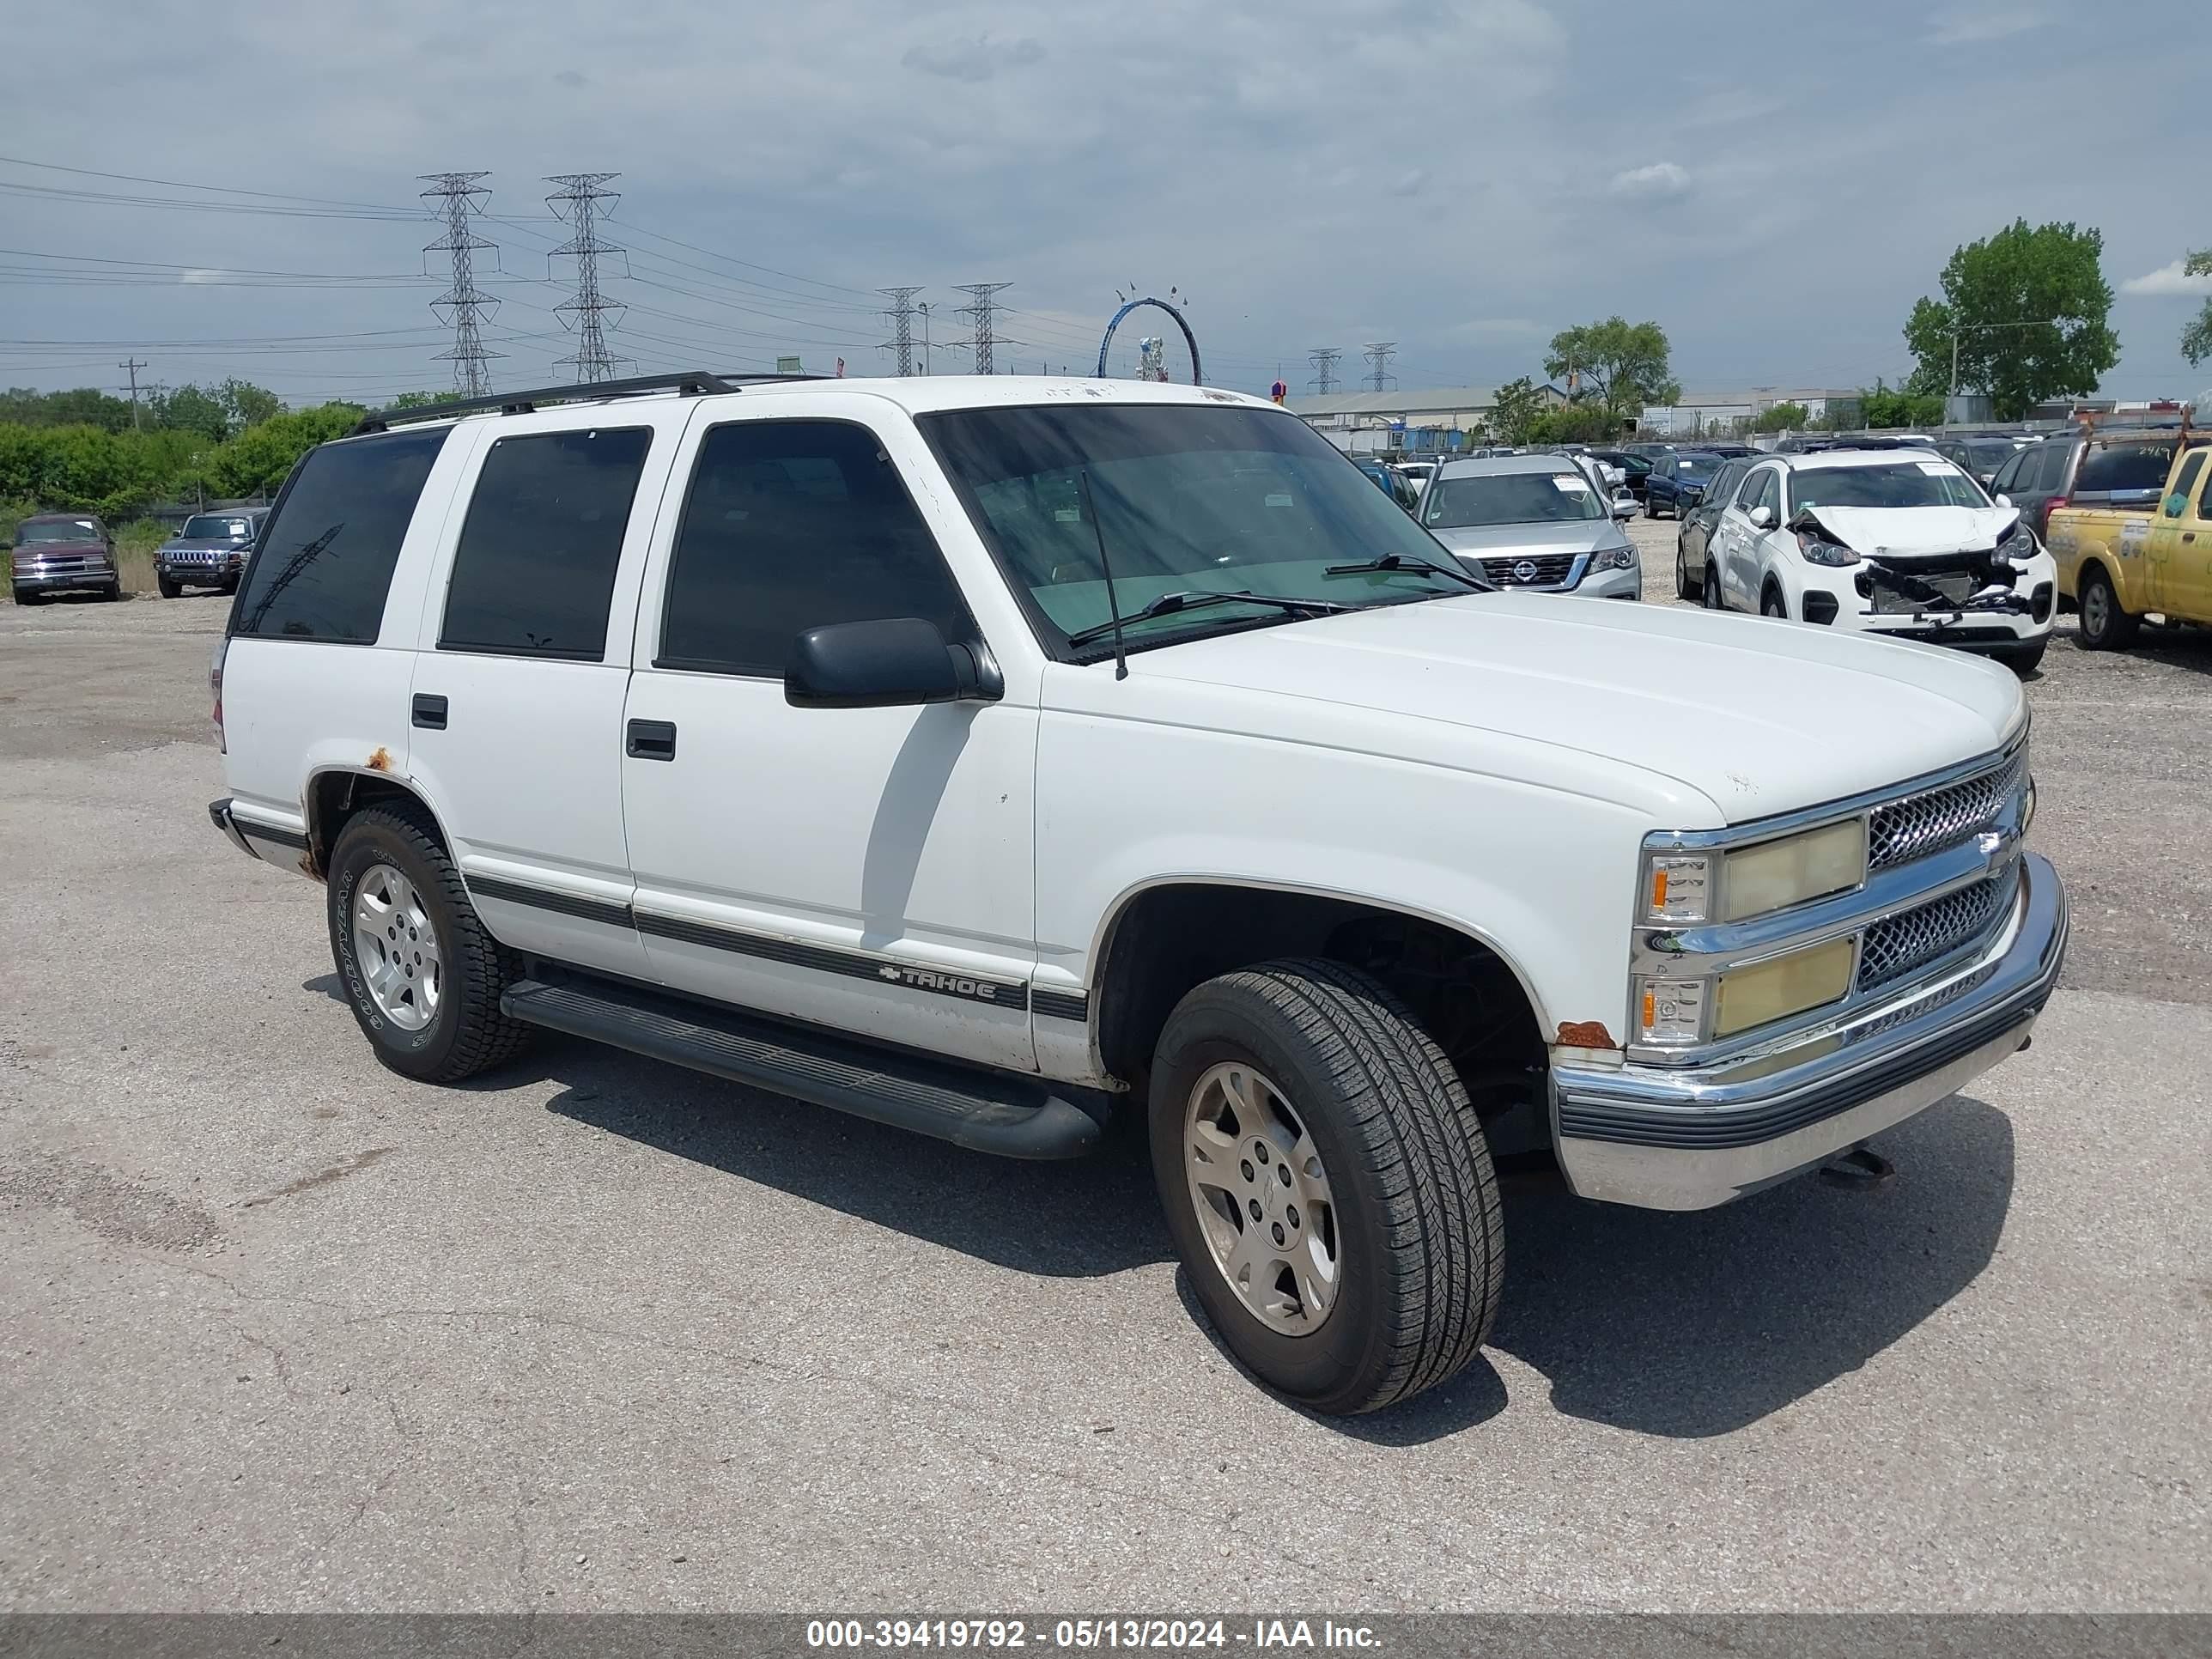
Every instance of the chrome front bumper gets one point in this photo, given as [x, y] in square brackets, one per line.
[1687, 1140]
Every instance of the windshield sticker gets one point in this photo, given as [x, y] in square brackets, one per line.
[1937, 469]
[1571, 486]
[1067, 515]
[1278, 500]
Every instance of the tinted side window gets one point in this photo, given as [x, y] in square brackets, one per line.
[2184, 482]
[2124, 466]
[535, 564]
[793, 525]
[325, 559]
[1724, 483]
[2048, 475]
[2008, 475]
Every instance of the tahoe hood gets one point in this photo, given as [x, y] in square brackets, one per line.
[1758, 717]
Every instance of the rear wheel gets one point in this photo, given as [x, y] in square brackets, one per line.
[421, 974]
[2105, 626]
[1326, 1183]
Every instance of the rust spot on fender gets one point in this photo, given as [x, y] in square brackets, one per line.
[381, 760]
[1585, 1034]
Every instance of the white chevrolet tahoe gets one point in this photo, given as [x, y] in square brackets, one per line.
[991, 756]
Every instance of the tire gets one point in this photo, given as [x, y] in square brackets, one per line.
[1714, 599]
[464, 1032]
[2105, 626]
[1681, 573]
[1771, 605]
[2022, 659]
[170, 589]
[1412, 1220]
[25, 596]
[112, 594]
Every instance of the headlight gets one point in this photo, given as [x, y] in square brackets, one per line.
[2018, 547]
[1613, 558]
[1751, 881]
[1782, 985]
[1818, 549]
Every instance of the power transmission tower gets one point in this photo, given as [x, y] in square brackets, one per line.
[463, 306]
[132, 369]
[1379, 354]
[581, 197]
[902, 315]
[982, 310]
[1324, 360]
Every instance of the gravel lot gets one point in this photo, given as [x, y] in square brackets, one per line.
[288, 1332]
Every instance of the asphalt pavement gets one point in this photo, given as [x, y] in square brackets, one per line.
[288, 1332]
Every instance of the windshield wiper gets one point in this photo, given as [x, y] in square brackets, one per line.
[1402, 562]
[1168, 604]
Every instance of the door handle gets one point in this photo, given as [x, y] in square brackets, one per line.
[429, 712]
[2189, 535]
[651, 740]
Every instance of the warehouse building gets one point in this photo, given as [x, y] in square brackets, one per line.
[1374, 422]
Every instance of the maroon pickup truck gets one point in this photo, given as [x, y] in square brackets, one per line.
[64, 553]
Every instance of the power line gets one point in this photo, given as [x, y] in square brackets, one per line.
[1379, 354]
[581, 195]
[464, 305]
[1324, 360]
[901, 343]
[980, 311]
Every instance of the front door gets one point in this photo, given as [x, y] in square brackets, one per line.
[864, 869]
[2179, 553]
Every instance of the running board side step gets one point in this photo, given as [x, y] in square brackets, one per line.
[983, 1111]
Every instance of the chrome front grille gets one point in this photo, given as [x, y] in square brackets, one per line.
[1920, 824]
[1928, 931]
[1544, 570]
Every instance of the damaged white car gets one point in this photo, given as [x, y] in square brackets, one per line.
[1895, 542]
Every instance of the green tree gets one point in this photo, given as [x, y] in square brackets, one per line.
[417, 399]
[248, 404]
[2196, 339]
[2026, 311]
[1518, 405]
[257, 459]
[85, 406]
[188, 409]
[1574, 423]
[1782, 418]
[1619, 364]
[1885, 405]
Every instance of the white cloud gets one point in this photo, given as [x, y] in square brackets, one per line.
[199, 274]
[1660, 179]
[1971, 26]
[1494, 328]
[2167, 280]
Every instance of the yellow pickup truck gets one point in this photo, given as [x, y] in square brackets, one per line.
[2119, 567]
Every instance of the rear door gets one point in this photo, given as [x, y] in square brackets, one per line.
[523, 667]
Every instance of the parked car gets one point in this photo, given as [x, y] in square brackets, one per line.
[1692, 539]
[1677, 481]
[208, 551]
[1883, 542]
[64, 553]
[1634, 468]
[1534, 521]
[2117, 469]
[1981, 457]
[1391, 482]
[2118, 566]
[969, 757]
[1418, 473]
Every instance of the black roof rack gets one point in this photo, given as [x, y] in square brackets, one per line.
[690, 382]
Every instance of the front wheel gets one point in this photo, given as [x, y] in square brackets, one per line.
[1326, 1184]
[1771, 605]
[168, 587]
[2022, 659]
[27, 595]
[1713, 600]
[421, 974]
[1681, 574]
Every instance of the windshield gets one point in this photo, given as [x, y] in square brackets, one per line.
[56, 531]
[1917, 483]
[1696, 468]
[1189, 500]
[1989, 457]
[1476, 500]
[215, 527]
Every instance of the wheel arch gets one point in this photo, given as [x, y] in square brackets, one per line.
[1246, 920]
[336, 793]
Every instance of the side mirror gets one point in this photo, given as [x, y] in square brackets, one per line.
[1762, 517]
[2004, 501]
[900, 662]
[1624, 506]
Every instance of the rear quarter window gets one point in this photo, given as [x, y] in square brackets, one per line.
[323, 563]
[2108, 467]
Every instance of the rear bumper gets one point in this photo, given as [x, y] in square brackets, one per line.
[1660, 1139]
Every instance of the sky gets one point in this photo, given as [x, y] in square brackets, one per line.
[1773, 185]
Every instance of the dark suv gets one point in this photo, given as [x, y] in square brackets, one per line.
[210, 551]
[64, 553]
[2117, 469]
